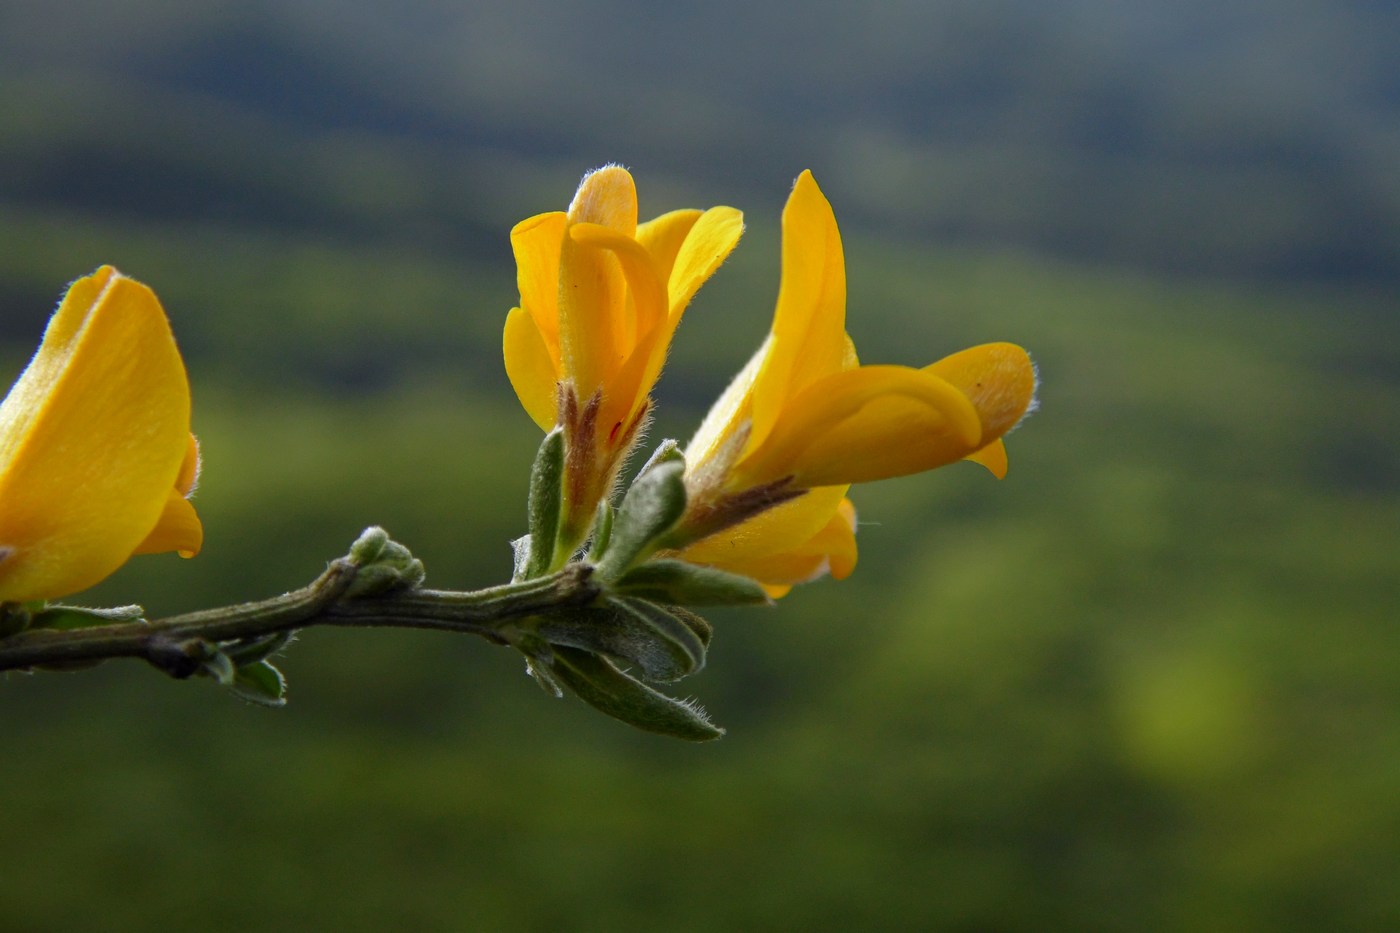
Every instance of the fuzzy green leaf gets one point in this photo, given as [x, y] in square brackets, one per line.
[260, 683]
[600, 684]
[633, 631]
[546, 495]
[602, 532]
[655, 502]
[67, 618]
[675, 581]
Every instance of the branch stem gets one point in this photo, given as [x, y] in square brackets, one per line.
[179, 644]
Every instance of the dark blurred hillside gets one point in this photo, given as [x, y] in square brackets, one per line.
[1226, 138]
[1150, 681]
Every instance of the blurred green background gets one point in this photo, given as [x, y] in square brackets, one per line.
[1151, 681]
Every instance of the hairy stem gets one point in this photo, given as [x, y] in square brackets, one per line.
[179, 644]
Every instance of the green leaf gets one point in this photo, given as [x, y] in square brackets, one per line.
[67, 618]
[668, 451]
[700, 627]
[652, 505]
[634, 631]
[598, 683]
[260, 683]
[602, 532]
[675, 581]
[546, 495]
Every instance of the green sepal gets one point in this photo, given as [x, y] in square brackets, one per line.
[676, 581]
[633, 631]
[67, 618]
[668, 451]
[596, 681]
[545, 504]
[654, 503]
[260, 683]
[602, 532]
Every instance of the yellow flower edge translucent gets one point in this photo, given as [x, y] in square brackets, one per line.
[804, 417]
[96, 455]
[796, 542]
[601, 296]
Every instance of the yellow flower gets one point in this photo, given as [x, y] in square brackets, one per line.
[96, 455]
[769, 468]
[600, 298]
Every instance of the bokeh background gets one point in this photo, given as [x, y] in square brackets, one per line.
[1151, 681]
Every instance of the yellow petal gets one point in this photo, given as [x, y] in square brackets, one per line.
[727, 416]
[864, 424]
[999, 380]
[993, 457]
[662, 238]
[592, 295]
[831, 550]
[711, 240]
[178, 529]
[809, 323]
[92, 439]
[608, 197]
[592, 300]
[838, 540]
[769, 533]
[533, 374]
[645, 289]
[536, 243]
[637, 330]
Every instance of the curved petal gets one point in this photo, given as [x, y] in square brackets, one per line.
[92, 439]
[592, 299]
[533, 373]
[711, 240]
[768, 533]
[726, 416]
[178, 529]
[998, 378]
[644, 286]
[591, 287]
[638, 330]
[865, 424]
[536, 243]
[831, 550]
[993, 457]
[809, 323]
[607, 196]
[662, 238]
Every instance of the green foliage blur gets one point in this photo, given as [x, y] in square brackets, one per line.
[1150, 681]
